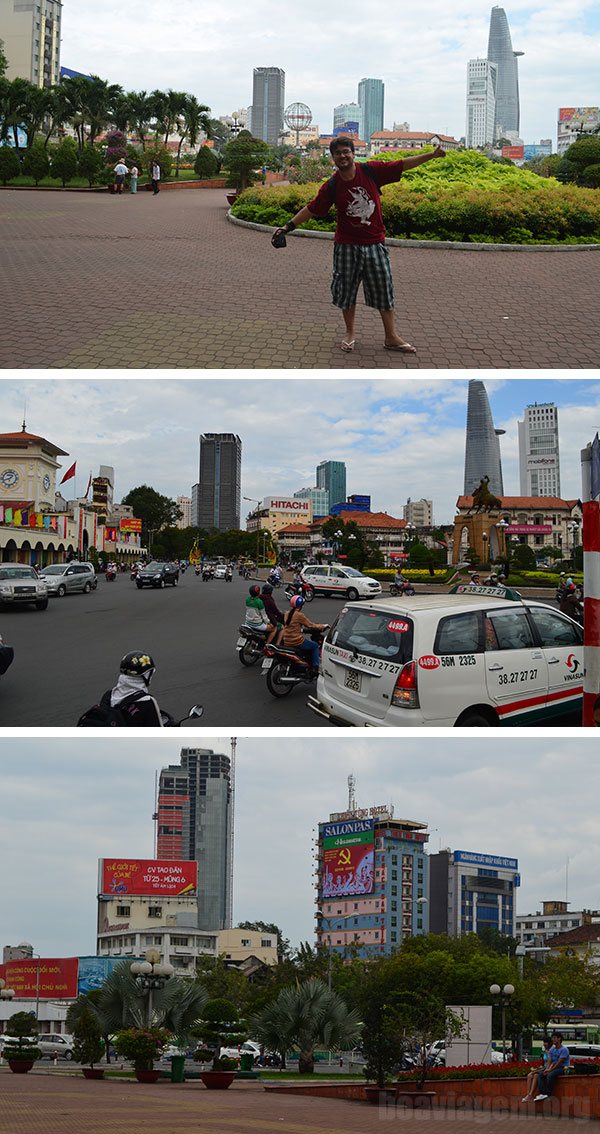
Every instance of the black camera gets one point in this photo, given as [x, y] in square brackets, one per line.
[278, 240]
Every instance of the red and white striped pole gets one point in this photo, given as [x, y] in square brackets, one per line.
[591, 590]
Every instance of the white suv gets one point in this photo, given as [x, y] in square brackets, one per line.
[19, 586]
[478, 657]
[335, 579]
[66, 578]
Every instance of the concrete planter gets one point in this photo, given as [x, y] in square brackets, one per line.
[217, 1080]
[20, 1066]
[92, 1072]
[146, 1076]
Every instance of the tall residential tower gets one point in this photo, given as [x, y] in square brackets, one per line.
[482, 449]
[30, 31]
[216, 499]
[482, 78]
[539, 462]
[268, 102]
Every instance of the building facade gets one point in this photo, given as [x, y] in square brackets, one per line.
[482, 447]
[482, 78]
[331, 475]
[419, 513]
[500, 52]
[538, 522]
[539, 460]
[319, 498]
[469, 892]
[573, 121]
[372, 882]
[184, 503]
[535, 929]
[194, 821]
[30, 30]
[346, 115]
[216, 499]
[277, 512]
[268, 103]
[371, 93]
[386, 141]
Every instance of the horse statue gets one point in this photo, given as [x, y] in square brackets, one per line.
[483, 499]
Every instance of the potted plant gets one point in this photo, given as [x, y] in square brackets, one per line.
[141, 1046]
[89, 1045]
[22, 1054]
[220, 1026]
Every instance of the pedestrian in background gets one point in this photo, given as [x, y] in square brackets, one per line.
[133, 174]
[120, 172]
[155, 177]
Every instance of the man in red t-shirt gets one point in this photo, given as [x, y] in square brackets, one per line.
[359, 254]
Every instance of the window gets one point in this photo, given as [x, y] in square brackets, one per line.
[246, 942]
[154, 911]
[180, 941]
[511, 628]
[266, 942]
[459, 634]
[554, 630]
[123, 911]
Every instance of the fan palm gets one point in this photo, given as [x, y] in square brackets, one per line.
[304, 1015]
[176, 1007]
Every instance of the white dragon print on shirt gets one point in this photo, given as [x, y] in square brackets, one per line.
[360, 205]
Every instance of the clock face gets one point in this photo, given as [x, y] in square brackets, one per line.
[46, 482]
[9, 478]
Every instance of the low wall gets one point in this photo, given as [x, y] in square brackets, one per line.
[575, 1096]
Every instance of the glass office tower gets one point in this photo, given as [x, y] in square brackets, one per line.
[482, 449]
[500, 52]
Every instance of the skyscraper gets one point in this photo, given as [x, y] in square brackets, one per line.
[500, 52]
[481, 102]
[331, 475]
[195, 821]
[370, 100]
[470, 892]
[216, 499]
[482, 449]
[539, 462]
[31, 36]
[268, 102]
[346, 113]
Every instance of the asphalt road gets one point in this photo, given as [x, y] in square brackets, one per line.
[68, 655]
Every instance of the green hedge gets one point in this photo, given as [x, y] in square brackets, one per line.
[464, 197]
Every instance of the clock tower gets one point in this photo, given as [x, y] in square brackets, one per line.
[28, 467]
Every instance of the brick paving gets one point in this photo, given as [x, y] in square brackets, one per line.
[60, 1104]
[95, 281]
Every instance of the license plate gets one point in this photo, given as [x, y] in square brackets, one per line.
[241, 642]
[267, 663]
[353, 680]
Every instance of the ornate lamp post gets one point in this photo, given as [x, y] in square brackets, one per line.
[502, 996]
[257, 502]
[6, 993]
[150, 976]
[501, 527]
[485, 537]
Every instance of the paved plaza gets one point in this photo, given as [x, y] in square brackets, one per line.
[58, 1104]
[88, 280]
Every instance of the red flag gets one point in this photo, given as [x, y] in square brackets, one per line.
[69, 473]
[88, 487]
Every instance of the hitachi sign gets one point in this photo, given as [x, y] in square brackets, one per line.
[275, 505]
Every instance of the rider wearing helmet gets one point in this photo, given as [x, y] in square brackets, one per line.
[131, 694]
[292, 636]
[272, 610]
[256, 615]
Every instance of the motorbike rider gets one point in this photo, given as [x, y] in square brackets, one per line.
[256, 615]
[229, 573]
[400, 580]
[275, 576]
[273, 612]
[570, 604]
[136, 672]
[292, 636]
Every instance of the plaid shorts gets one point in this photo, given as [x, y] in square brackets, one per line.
[368, 264]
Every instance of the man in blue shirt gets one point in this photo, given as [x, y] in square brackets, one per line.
[557, 1064]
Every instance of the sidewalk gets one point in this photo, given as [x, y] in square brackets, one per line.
[43, 1104]
[137, 281]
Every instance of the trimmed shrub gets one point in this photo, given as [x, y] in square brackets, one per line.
[10, 166]
[63, 162]
[36, 162]
[91, 164]
[206, 164]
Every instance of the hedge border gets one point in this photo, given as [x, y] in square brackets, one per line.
[458, 245]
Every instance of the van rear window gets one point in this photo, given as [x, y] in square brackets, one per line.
[374, 633]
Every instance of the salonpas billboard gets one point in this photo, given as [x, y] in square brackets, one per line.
[348, 858]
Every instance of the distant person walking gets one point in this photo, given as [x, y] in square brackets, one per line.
[120, 172]
[359, 253]
[155, 177]
[133, 175]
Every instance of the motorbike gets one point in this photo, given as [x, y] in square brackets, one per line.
[285, 668]
[169, 721]
[229, 575]
[197, 571]
[207, 573]
[111, 574]
[275, 580]
[301, 588]
[402, 589]
[250, 645]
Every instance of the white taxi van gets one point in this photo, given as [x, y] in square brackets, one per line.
[477, 657]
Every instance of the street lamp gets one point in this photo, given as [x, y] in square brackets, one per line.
[5, 993]
[485, 537]
[502, 525]
[150, 976]
[251, 500]
[572, 529]
[503, 996]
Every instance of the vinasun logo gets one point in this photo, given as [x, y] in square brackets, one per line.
[572, 663]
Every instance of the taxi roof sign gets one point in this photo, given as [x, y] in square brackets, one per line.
[480, 589]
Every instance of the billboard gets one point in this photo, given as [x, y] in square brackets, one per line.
[579, 115]
[514, 153]
[492, 860]
[130, 524]
[42, 978]
[348, 858]
[93, 971]
[141, 876]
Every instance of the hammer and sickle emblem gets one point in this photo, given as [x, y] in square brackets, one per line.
[345, 858]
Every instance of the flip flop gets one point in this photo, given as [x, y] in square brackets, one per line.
[347, 345]
[404, 348]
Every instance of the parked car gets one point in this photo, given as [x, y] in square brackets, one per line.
[477, 657]
[158, 574]
[335, 579]
[247, 1048]
[20, 585]
[68, 578]
[54, 1045]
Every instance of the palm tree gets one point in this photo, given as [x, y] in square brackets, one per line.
[304, 1015]
[99, 98]
[194, 120]
[13, 103]
[38, 111]
[140, 113]
[168, 106]
[71, 95]
[176, 1007]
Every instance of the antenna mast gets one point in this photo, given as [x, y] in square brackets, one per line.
[229, 906]
[155, 814]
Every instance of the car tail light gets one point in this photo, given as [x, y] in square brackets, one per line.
[405, 690]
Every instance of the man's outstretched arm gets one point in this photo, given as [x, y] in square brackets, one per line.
[418, 159]
[303, 215]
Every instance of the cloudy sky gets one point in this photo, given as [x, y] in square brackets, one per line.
[522, 799]
[420, 51]
[399, 437]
